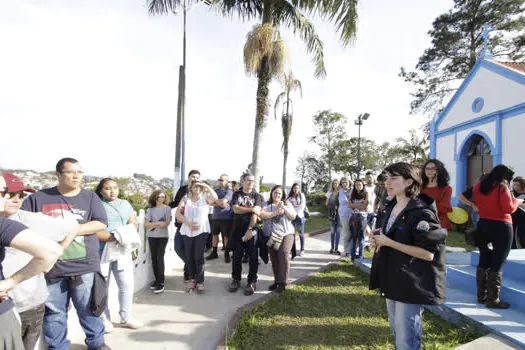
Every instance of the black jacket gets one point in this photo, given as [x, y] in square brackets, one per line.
[402, 277]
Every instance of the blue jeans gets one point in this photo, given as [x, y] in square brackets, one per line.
[55, 318]
[345, 234]
[179, 249]
[371, 219]
[359, 240]
[125, 283]
[299, 223]
[334, 234]
[407, 324]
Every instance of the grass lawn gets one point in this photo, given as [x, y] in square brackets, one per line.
[314, 223]
[457, 239]
[333, 310]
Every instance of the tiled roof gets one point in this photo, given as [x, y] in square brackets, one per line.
[518, 66]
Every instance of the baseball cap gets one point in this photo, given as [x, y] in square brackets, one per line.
[12, 183]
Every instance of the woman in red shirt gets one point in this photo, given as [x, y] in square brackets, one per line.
[434, 183]
[496, 204]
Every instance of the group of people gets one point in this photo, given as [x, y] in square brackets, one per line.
[76, 237]
[249, 225]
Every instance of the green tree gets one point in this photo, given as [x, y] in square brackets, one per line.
[290, 84]
[330, 130]
[313, 172]
[414, 148]
[346, 158]
[264, 48]
[455, 47]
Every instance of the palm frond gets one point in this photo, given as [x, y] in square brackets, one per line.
[343, 13]
[161, 7]
[245, 9]
[278, 58]
[287, 14]
[278, 102]
[286, 123]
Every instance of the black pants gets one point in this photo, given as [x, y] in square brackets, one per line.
[238, 247]
[157, 247]
[498, 233]
[195, 247]
[221, 226]
[32, 325]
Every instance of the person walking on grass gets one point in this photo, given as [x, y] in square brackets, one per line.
[409, 266]
[278, 216]
[195, 229]
[332, 204]
[298, 200]
[116, 256]
[158, 218]
[246, 204]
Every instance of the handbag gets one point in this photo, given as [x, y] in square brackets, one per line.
[99, 294]
[274, 241]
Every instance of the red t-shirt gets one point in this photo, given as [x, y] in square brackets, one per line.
[497, 205]
[441, 195]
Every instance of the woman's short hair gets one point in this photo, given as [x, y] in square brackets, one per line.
[407, 172]
[100, 186]
[152, 201]
[443, 178]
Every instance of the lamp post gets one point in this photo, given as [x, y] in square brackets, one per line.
[359, 122]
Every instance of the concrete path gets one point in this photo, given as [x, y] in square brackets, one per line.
[176, 319]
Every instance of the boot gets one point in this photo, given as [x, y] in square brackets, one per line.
[493, 291]
[213, 254]
[481, 283]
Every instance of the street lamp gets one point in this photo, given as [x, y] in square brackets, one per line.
[359, 122]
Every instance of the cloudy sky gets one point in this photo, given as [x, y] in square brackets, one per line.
[97, 80]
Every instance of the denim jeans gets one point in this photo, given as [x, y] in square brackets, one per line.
[371, 219]
[299, 223]
[55, 319]
[334, 234]
[345, 234]
[125, 283]
[179, 249]
[406, 322]
[359, 240]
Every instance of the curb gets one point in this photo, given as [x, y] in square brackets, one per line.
[318, 232]
[236, 317]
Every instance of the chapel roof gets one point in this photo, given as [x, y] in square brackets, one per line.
[515, 66]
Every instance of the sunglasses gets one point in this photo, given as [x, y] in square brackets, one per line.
[12, 195]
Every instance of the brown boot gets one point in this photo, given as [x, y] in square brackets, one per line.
[481, 283]
[493, 291]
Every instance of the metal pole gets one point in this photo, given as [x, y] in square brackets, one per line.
[359, 122]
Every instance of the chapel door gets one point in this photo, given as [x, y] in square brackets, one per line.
[479, 159]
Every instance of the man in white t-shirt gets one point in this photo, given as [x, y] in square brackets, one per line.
[369, 188]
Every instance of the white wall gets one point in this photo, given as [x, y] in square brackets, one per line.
[489, 129]
[497, 91]
[445, 153]
[513, 143]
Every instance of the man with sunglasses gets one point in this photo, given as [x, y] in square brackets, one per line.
[29, 297]
[73, 275]
[222, 219]
[44, 253]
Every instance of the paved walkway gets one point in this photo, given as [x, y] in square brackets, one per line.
[176, 319]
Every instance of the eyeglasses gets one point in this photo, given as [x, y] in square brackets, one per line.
[430, 169]
[12, 195]
[161, 197]
[71, 172]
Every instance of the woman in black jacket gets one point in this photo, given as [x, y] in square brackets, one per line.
[409, 263]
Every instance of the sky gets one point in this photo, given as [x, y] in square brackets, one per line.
[97, 80]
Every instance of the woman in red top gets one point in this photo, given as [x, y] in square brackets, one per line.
[496, 204]
[434, 183]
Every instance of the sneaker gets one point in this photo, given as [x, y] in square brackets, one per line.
[153, 285]
[159, 289]
[227, 258]
[200, 288]
[103, 347]
[132, 324]
[236, 284]
[337, 252]
[331, 251]
[213, 255]
[108, 326]
[250, 289]
[280, 288]
[301, 253]
[273, 286]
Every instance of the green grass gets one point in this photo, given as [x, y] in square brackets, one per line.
[314, 223]
[333, 310]
[457, 239]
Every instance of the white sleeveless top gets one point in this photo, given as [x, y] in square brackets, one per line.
[196, 212]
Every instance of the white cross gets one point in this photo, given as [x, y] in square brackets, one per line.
[485, 35]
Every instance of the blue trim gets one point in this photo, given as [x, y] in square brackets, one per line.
[497, 157]
[504, 114]
[478, 104]
[461, 157]
[433, 136]
[493, 67]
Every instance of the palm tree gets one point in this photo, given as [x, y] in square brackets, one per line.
[290, 84]
[413, 147]
[260, 57]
